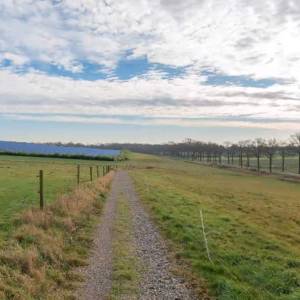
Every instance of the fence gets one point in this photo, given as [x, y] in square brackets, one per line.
[105, 169]
[288, 163]
[37, 182]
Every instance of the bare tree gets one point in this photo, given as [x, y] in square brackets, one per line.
[257, 150]
[227, 146]
[282, 149]
[295, 139]
[244, 148]
[248, 147]
[271, 147]
[213, 152]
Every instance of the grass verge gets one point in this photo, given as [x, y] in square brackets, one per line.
[39, 261]
[252, 226]
[126, 268]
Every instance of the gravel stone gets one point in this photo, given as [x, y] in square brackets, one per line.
[99, 271]
[157, 281]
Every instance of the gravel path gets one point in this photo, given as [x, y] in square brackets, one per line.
[157, 281]
[98, 273]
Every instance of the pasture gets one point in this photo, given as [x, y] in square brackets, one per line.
[252, 225]
[19, 184]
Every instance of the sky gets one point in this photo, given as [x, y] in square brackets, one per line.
[99, 71]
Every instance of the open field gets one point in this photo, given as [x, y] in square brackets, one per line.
[252, 224]
[19, 182]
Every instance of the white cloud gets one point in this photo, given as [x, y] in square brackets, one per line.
[16, 59]
[179, 100]
[237, 37]
[187, 122]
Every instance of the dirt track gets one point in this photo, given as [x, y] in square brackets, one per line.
[157, 280]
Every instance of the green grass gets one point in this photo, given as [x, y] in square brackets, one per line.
[291, 163]
[252, 224]
[19, 183]
[126, 267]
[41, 259]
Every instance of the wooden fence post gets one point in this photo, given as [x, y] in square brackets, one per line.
[97, 171]
[78, 174]
[41, 191]
[91, 173]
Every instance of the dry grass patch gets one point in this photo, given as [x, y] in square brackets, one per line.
[38, 262]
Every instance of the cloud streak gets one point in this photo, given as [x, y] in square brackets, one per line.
[255, 39]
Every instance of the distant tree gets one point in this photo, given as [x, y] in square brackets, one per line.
[295, 141]
[257, 146]
[244, 147]
[234, 149]
[188, 141]
[227, 146]
[247, 149]
[282, 146]
[271, 146]
[213, 152]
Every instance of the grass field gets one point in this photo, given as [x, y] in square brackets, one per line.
[291, 164]
[40, 260]
[252, 224]
[19, 182]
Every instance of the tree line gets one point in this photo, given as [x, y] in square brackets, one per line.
[218, 153]
[225, 153]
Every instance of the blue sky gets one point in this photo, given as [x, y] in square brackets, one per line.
[32, 131]
[149, 71]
